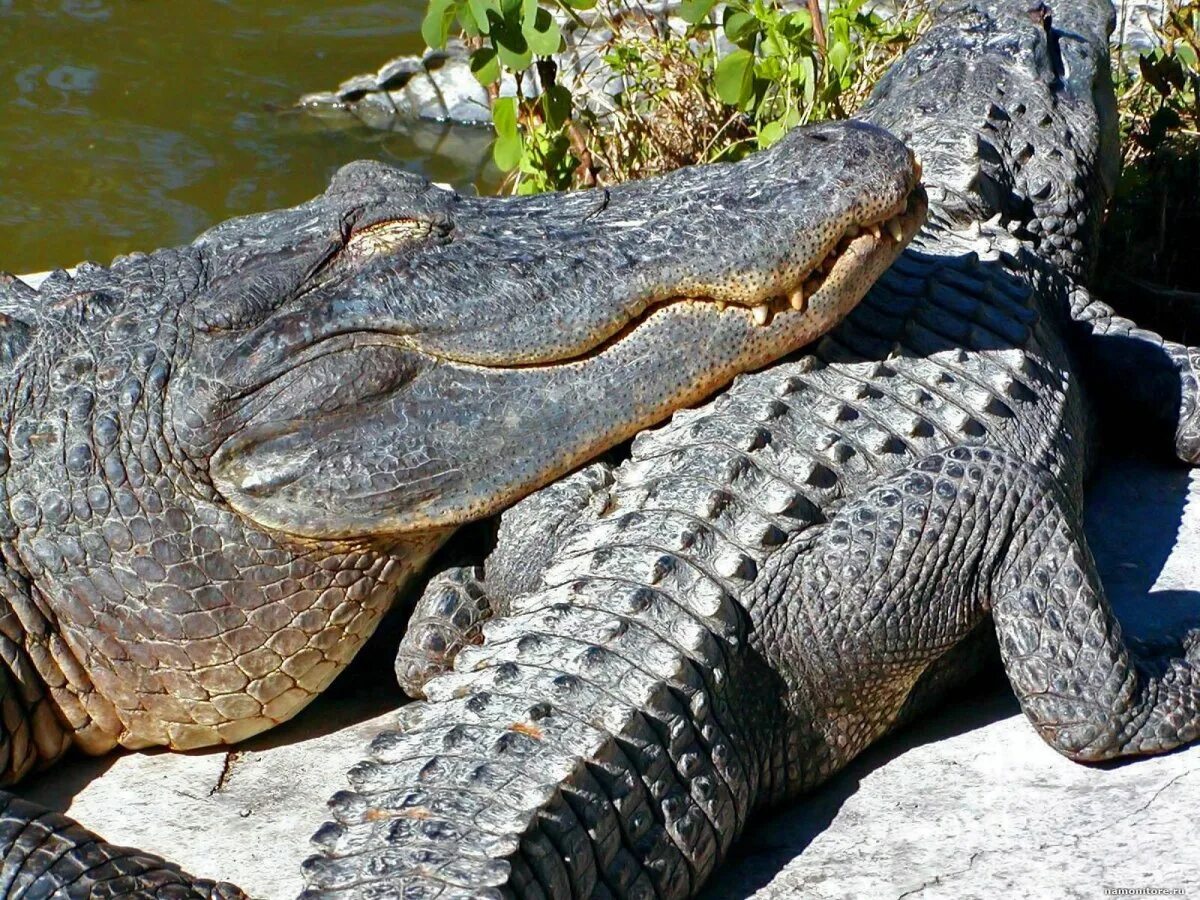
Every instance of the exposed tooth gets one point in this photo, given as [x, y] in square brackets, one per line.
[761, 314]
[894, 229]
[796, 299]
[874, 229]
[721, 304]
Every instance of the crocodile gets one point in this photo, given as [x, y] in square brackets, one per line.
[773, 581]
[222, 461]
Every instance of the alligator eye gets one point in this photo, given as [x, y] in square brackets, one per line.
[384, 237]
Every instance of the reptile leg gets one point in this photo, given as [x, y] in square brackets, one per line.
[45, 854]
[448, 616]
[1077, 679]
[872, 617]
[457, 601]
[902, 576]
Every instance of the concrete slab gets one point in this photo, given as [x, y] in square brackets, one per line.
[969, 804]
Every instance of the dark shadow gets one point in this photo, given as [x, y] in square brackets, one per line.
[778, 838]
[1148, 242]
[57, 787]
[1134, 513]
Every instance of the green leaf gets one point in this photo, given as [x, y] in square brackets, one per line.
[504, 116]
[479, 12]
[508, 149]
[839, 30]
[579, 4]
[800, 20]
[511, 44]
[510, 9]
[735, 77]
[466, 20]
[435, 27]
[839, 55]
[810, 79]
[506, 152]
[774, 46]
[770, 68]
[695, 11]
[770, 133]
[740, 27]
[485, 66]
[556, 105]
[542, 34]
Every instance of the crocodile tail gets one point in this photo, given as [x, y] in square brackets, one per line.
[46, 854]
[595, 744]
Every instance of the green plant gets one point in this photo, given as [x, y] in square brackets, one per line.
[790, 66]
[1159, 99]
[684, 102]
[1151, 271]
[514, 36]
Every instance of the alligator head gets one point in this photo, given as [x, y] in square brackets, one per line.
[223, 459]
[393, 357]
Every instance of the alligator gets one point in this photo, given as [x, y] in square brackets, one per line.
[222, 461]
[772, 582]
[439, 86]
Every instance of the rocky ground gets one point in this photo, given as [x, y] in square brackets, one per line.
[969, 804]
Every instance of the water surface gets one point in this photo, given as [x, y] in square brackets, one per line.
[134, 124]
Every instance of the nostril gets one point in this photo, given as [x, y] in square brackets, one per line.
[819, 137]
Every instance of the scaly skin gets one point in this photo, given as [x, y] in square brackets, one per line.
[774, 581]
[221, 461]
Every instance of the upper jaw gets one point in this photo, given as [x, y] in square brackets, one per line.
[544, 281]
[424, 444]
[401, 392]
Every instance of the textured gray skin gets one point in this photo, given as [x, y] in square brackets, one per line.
[779, 578]
[221, 461]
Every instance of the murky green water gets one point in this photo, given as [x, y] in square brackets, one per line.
[134, 124]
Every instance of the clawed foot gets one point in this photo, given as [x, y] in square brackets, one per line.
[448, 616]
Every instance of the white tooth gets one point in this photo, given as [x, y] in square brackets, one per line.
[852, 231]
[721, 304]
[761, 314]
[796, 299]
[894, 229]
[874, 229]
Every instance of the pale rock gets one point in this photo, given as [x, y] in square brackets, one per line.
[969, 804]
